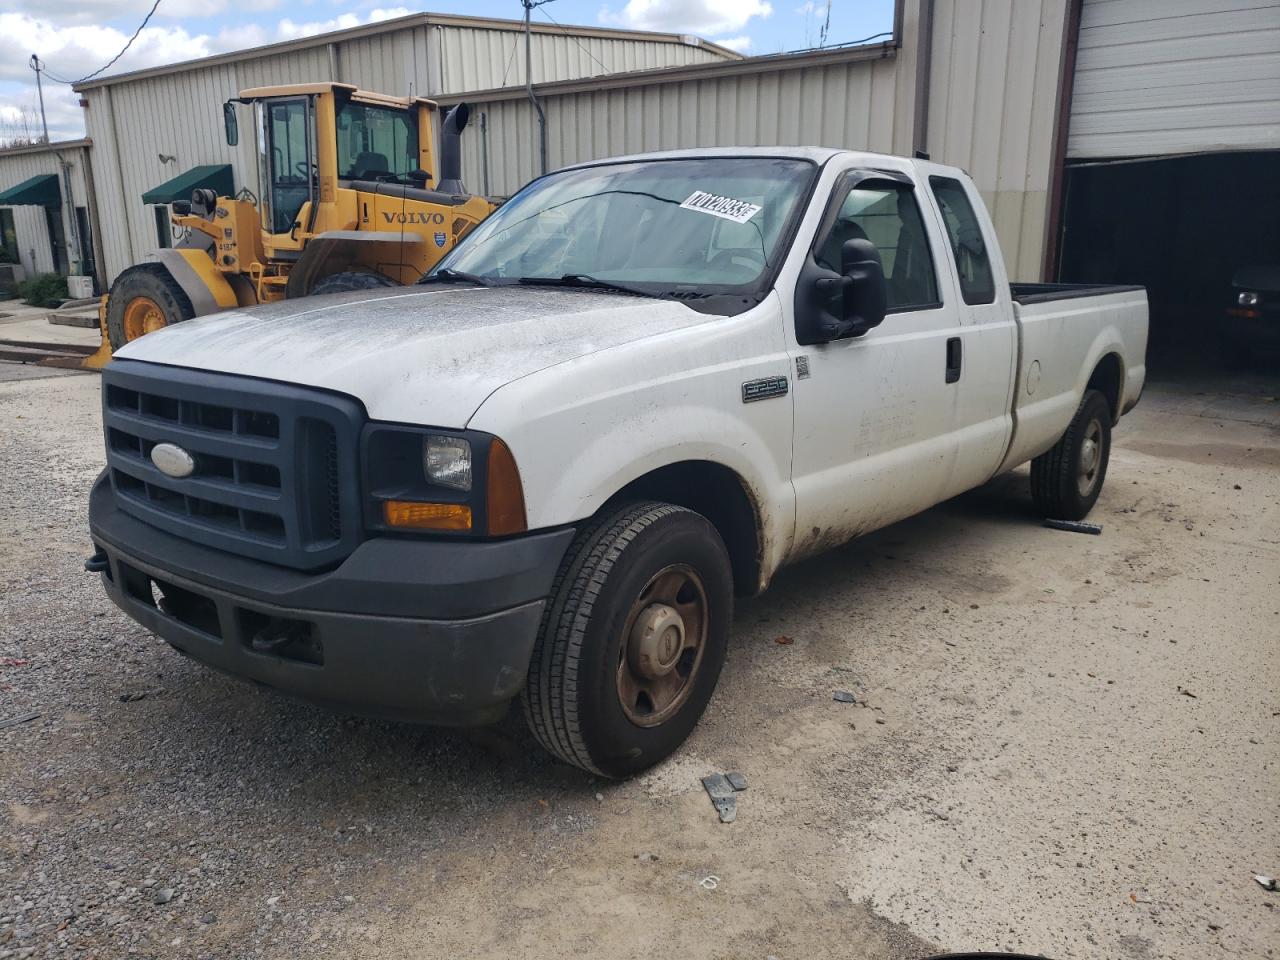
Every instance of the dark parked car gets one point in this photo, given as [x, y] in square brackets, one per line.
[1252, 324]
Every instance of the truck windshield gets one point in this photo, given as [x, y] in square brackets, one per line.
[692, 227]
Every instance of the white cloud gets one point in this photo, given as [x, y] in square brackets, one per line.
[703, 17]
[741, 44]
[288, 30]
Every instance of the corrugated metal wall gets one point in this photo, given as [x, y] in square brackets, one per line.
[179, 114]
[992, 109]
[993, 86]
[849, 104]
[29, 224]
[1176, 76]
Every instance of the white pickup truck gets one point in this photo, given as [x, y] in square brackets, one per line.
[639, 388]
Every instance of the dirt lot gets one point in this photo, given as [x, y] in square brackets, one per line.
[1072, 748]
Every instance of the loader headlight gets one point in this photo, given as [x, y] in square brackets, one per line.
[447, 461]
[1248, 299]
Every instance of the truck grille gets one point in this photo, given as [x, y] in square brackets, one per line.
[275, 473]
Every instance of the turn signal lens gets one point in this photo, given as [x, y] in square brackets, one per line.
[407, 515]
[504, 494]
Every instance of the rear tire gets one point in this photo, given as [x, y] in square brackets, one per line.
[632, 640]
[144, 299]
[1066, 481]
[351, 280]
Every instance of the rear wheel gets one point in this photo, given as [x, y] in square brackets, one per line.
[1066, 481]
[351, 280]
[633, 639]
[144, 299]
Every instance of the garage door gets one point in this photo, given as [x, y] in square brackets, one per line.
[1160, 77]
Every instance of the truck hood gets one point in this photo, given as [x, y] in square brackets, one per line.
[416, 355]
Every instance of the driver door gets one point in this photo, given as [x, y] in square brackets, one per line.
[286, 161]
[875, 414]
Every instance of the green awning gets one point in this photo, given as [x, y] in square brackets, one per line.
[215, 176]
[37, 191]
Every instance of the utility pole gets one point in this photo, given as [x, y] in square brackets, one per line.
[528, 83]
[66, 214]
[37, 66]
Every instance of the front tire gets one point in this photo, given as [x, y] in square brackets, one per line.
[144, 298]
[351, 280]
[1066, 480]
[632, 640]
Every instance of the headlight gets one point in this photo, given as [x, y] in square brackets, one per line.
[463, 483]
[447, 461]
[1248, 299]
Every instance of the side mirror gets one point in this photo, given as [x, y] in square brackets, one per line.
[229, 123]
[831, 306]
[419, 176]
[866, 298]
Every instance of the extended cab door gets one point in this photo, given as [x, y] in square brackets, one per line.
[988, 329]
[875, 414]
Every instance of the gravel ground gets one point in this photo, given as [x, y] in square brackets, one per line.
[1070, 748]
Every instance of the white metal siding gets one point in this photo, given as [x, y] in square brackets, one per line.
[29, 222]
[1158, 77]
[849, 104]
[993, 100]
[179, 114]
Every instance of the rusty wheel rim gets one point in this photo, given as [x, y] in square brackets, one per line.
[142, 315]
[662, 645]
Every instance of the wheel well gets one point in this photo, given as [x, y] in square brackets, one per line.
[720, 495]
[1106, 378]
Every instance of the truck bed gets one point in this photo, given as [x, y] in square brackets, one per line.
[1044, 292]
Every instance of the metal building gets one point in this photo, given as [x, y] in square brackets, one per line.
[47, 209]
[152, 127]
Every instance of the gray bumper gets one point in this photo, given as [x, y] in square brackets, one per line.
[436, 632]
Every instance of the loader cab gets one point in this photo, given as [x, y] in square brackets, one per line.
[314, 142]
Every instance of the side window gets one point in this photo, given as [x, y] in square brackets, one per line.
[888, 216]
[965, 234]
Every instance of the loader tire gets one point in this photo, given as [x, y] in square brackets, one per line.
[1066, 480]
[632, 639]
[351, 280]
[144, 299]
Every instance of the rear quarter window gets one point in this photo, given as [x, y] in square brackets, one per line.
[964, 234]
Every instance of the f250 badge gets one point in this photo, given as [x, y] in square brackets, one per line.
[763, 389]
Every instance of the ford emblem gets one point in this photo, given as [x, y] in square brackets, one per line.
[171, 460]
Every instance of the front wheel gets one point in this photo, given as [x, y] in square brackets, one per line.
[633, 639]
[144, 298]
[1066, 480]
[350, 280]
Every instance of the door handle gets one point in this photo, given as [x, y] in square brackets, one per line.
[955, 356]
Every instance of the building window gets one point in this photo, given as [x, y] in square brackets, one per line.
[164, 230]
[8, 238]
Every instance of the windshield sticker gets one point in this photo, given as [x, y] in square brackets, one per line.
[727, 208]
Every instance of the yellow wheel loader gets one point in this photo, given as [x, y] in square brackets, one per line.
[352, 197]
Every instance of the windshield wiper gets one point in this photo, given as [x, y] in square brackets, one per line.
[457, 276]
[586, 280]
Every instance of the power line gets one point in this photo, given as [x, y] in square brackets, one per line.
[141, 27]
[562, 30]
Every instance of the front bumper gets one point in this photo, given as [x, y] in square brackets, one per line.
[417, 630]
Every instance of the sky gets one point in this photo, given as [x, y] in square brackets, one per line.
[77, 37]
